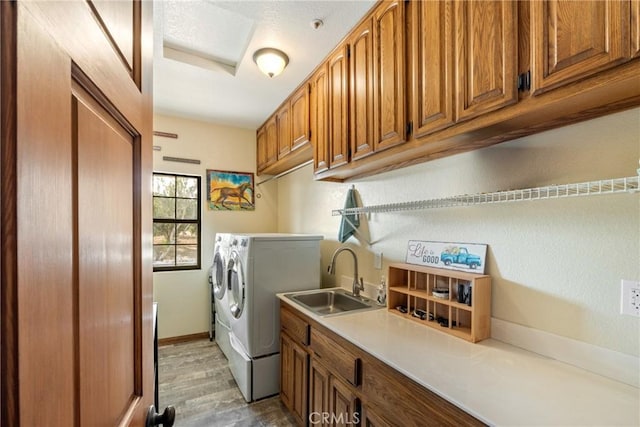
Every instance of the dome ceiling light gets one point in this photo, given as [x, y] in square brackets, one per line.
[270, 61]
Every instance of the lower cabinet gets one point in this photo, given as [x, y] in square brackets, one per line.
[327, 381]
[294, 366]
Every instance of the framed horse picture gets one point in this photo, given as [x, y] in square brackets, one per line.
[230, 191]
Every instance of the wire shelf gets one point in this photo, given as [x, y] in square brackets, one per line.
[591, 188]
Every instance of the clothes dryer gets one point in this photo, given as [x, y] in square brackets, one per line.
[259, 266]
[218, 292]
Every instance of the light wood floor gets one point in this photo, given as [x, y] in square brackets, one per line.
[194, 377]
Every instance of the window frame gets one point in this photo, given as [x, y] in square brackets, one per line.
[197, 221]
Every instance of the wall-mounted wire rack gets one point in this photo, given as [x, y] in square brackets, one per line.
[591, 188]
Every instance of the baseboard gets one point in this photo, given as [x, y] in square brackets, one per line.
[182, 339]
[611, 364]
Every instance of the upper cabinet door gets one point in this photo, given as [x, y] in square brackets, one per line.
[319, 109]
[571, 40]
[431, 56]
[300, 117]
[284, 131]
[271, 130]
[338, 113]
[261, 144]
[635, 28]
[487, 56]
[388, 70]
[361, 91]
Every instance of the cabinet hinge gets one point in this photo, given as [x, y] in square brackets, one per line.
[348, 51]
[409, 128]
[524, 81]
[309, 134]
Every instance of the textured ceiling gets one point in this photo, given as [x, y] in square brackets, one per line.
[203, 54]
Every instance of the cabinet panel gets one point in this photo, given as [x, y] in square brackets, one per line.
[487, 56]
[117, 22]
[343, 403]
[389, 81]
[345, 363]
[635, 28]
[361, 91]
[371, 419]
[293, 378]
[300, 117]
[318, 394]
[320, 119]
[431, 55]
[575, 39]
[284, 131]
[272, 140]
[338, 97]
[261, 147]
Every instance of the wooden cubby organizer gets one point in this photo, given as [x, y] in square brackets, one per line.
[412, 286]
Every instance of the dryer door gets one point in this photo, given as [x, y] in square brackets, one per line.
[236, 285]
[216, 276]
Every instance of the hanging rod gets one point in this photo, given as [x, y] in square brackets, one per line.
[287, 172]
[591, 188]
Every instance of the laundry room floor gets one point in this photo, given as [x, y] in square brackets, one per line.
[195, 379]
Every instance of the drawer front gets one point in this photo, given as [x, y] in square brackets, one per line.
[294, 326]
[335, 356]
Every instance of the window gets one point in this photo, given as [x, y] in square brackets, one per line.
[176, 222]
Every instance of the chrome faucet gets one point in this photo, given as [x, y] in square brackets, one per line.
[357, 285]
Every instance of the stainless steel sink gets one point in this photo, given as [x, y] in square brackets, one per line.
[332, 302]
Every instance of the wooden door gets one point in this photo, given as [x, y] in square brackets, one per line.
[318, 394]
[272, 140]
[76, 300]
[371, 419]
[320, 119]
[343, 403]
[571, 39]
[487, 56]
[432, 77]
[284, 130]
[388, 70]
[261, 149]
[300, 117]
[338, 113]
[361, 91]
[294, 365]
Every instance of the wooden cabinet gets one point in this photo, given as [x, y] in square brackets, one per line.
[318, 393]
[487, 56]
[361, 102]
[293, 377]
[284, 130]
[389, 71]
[344, 405]
[261, 147]
[635, 28]
[319, 110]
[338, 68]
[271, 130]
[300, 117]
[571, 40]
[431, 61]
[413, 287]
[369, 418]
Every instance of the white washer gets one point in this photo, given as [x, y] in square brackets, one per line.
[218, 288]
[259, 266]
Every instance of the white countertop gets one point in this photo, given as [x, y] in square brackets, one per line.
[497, 383]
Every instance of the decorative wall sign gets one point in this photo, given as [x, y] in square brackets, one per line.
[468, 257]
[230, 190]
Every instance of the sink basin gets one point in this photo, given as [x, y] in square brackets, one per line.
[332, 302]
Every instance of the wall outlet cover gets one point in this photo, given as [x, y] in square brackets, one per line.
[630, 298]
[377, 260]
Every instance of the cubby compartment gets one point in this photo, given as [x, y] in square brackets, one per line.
[451, 301]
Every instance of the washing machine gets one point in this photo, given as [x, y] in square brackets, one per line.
[219, 324]
[259, 266]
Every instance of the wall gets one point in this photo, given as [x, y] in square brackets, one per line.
[183, 297]
[556, 264]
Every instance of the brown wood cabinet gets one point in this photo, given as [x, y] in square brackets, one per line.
[261, 148]
[389, 75]
[271, 130]
[487, 56]
[300, 117]
[319, 110]
[361, 123]
[293, 377]
[283, 124]
[571, 40]
[431, 61]
[635, 28]
[348, 386]
[338, 68]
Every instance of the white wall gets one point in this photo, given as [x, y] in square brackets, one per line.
[556, 264]
[183, 297]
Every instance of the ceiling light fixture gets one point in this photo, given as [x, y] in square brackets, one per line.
[270, 61]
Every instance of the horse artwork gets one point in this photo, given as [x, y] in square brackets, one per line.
[230, 191]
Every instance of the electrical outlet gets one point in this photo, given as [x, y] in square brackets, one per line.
[630, 298]
[377, 260]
